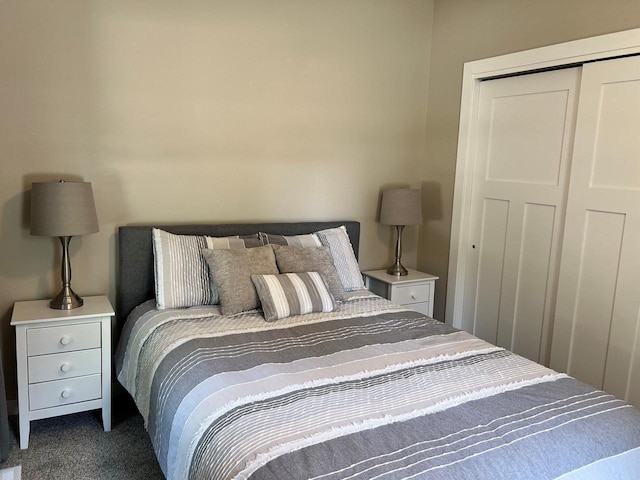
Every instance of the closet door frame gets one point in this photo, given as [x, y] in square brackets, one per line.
[555, 56]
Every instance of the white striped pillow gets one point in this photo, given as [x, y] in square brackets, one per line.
[307, 240]
[181, 274]
[288, 294]
[337, 239]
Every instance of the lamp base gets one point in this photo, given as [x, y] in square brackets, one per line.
[67, 299]
[397, 269]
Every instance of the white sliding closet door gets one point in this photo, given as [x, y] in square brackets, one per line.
[523, 147]
[597, 336]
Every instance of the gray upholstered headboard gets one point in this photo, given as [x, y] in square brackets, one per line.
[135, 253]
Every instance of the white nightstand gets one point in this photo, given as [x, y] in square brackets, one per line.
[64, 360]
[414, 291]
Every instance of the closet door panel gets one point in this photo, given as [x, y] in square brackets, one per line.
[522, 148]
[495, 218]
[596, 276]
[533, 300]
[615, 152]
[622, 367]
[596, 333]
[518, 153]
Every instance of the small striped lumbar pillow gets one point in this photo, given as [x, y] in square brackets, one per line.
[290, 294]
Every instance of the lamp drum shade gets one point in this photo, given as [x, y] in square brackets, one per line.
[61, 209]
[401, 206]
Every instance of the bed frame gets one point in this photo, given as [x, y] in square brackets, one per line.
[135, 253]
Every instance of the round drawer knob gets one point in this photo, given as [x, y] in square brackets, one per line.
[413, 296]
[65, 367]
[65, 340]
[66, 393]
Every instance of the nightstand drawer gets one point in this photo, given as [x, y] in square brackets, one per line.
[406, 294]
[63, 392]
[414, 290]
[44, 368]
[423, 307]
[67, 338]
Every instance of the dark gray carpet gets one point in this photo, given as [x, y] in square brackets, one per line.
[76, 447]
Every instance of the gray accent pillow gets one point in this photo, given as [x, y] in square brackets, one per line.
[292, 259]
[290, 294]
[231, 270]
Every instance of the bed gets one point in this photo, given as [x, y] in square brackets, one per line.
[363, 390]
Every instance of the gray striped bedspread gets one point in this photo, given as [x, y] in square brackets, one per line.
[370, 391]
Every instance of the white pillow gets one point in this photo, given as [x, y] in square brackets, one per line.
[337, 239]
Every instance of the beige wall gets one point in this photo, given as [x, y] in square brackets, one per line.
[203, 111]
[209, 110]
[466, 30]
